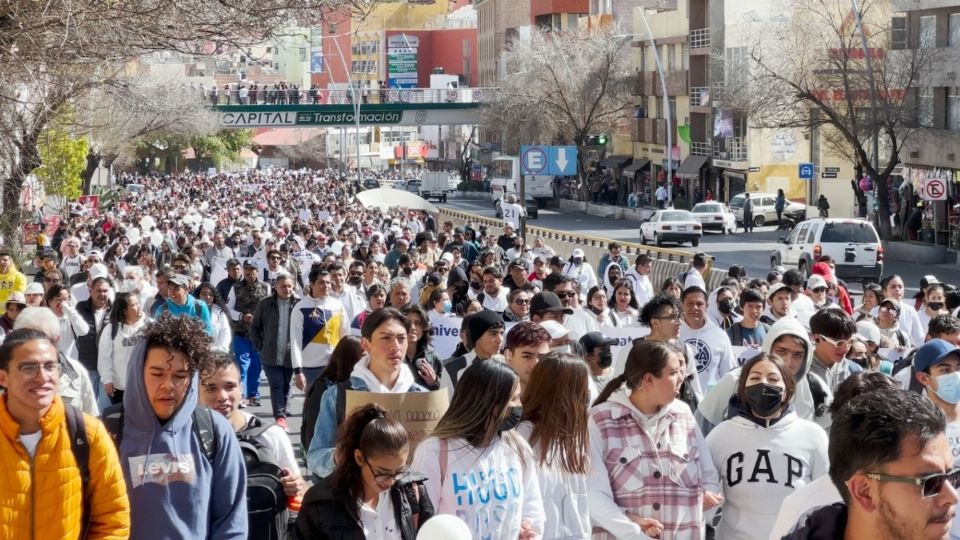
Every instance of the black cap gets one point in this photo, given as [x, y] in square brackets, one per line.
[179, 280]
[518, 263]
[249, 263]
[480, 322]
[593, 340]
[555, 261]
[547, 301]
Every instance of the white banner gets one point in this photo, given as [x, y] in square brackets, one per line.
[621, 350]
[446, 336]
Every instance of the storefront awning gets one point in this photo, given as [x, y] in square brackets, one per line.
[637, 166]
[614, 161]
[690, 167]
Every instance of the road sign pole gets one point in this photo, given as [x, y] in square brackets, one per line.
[523, 204]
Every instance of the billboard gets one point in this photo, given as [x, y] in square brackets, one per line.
[402, 61]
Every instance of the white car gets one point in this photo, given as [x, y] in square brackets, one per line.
[715, 216]
[852, 243]
[671, 225]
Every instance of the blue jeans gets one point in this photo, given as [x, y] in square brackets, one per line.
[279, 379]
[312, 374]
[103, 400]
[248, 359]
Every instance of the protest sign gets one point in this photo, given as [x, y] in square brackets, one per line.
[446, 335]
[419, 412]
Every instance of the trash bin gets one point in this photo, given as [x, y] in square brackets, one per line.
[927, 236]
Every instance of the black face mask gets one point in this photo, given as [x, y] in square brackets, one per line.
[355, 281]
[605, 359]
[475, 285]
[512, 419]
[764, 399]
[725, 306]
[407, 270]
[936, 306]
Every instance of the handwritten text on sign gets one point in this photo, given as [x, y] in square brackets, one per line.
[419, 412]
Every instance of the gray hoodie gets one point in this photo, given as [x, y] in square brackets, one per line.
[713, 408]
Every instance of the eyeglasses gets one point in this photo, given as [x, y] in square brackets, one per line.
[521, 301]
[383, 478]
[356, 274]
[840, 344]
[567, 294]
[819, 290]
[675, 317]
[30, 370]
[889, 309]
[274, 258]
[930, 484]
[52, 280]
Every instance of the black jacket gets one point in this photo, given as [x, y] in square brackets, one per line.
[326, 515]
[431, 357]
[264, 330]
[88, 344]
[825, 523]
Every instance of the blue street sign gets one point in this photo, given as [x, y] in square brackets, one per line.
[563, 160]
[534, 159]
[548, 160]
[806, 171]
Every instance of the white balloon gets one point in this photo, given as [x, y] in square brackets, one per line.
[444, 527]
[133, 235]
[209, 225]
[147, 223]
[259, 222]
[204, 205]
[155, 238]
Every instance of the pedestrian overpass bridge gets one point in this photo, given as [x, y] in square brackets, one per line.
[336, 108]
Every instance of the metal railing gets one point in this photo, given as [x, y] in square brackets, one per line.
[699, 96]
[733, 149]
[699, 38]
[313, 96]
[699, 148]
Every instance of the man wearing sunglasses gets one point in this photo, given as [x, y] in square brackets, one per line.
[832, 330]
[892, 464]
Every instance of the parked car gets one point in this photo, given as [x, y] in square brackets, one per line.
[715, 216]
[413, 186]
[533, 212]
[764, 208]
[853, 244]
[371, 183]
[670, 225]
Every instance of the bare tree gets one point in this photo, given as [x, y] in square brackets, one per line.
[561, 88]
[813, 75]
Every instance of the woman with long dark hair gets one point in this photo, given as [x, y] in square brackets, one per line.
[422, 359]
[219, 316]
[651, 471]
[371, 493]
[475, 448]
[554, 422]
[624, 308]
[376, 299]
[117, 341]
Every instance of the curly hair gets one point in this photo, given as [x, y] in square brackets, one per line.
[184, 334]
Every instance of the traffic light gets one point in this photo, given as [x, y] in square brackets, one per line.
[596, 140]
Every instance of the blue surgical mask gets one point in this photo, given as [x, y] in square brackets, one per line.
[948, 387]
[447, 307]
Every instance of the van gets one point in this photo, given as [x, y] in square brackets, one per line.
[764, 208]
[852, 243]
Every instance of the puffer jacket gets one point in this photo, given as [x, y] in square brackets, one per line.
[41, 497]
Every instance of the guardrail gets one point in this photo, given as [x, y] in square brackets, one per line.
[315, 96]
[667, 262]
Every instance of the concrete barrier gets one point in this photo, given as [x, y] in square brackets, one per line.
[917, 252]
[667, 262]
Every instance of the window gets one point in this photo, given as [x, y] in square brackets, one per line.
[925, 107]
[303, 54]
[928, 32]
[953, 109]
[898, 34]
[856, 233]
[953, 37]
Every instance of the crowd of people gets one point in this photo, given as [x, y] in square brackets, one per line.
[770, 407]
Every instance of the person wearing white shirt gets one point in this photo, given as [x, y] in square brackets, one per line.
[710, 344]
[695, 275]
[117, 341]
[909, 321]
[639, 278]
[512, 212]
[579, 269]
[494, 296]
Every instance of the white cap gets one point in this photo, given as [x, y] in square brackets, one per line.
[555, 329]
[816, 281]
[577, 253]
[98, 270]
[34, 288]
[867, 331]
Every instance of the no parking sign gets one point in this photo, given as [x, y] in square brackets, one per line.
[934, 189]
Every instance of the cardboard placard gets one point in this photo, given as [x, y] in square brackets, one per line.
[419, 412]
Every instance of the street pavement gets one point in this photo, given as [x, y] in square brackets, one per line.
[751, 250]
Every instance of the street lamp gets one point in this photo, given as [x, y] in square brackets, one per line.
[666, 98]
[356, 104]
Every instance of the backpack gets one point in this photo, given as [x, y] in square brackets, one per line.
[203, 429]
[267, 513]
[80, 446]
[820, 404]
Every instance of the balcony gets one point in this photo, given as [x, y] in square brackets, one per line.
[699, 41]
[651, 131]
[731, 149]
[700, 96]
[699, 148]
[648, 84]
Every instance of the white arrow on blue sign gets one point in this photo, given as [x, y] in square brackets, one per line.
[548, 160]
[806, 171]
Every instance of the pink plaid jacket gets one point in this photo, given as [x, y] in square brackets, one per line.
[655, 475]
